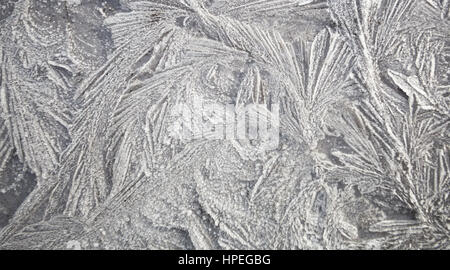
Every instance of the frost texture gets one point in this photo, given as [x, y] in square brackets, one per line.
[88, 159]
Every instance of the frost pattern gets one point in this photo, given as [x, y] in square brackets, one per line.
[87, 99]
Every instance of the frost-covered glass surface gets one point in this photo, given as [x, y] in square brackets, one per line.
[213, 124]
